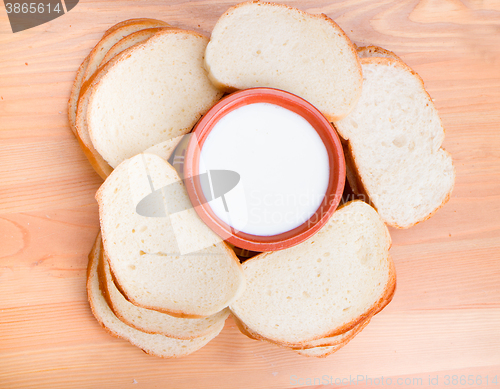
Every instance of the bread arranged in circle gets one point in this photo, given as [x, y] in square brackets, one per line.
[394, 139]
[156, 92]
[166, 282]
[145, 254]
[271, 45]
[324, 286]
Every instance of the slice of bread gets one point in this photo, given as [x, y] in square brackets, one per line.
[111, 38]
[144, 252]
[375, 51]
[256, 44]
[156, 92]
[394, 139]
[324, 286]
[126, 27]
[154, 344]
[154, 322]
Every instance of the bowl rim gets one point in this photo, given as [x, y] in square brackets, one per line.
[325, 130]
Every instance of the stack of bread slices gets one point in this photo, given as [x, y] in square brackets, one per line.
[142, 84]
[140, 286]
[168, 284]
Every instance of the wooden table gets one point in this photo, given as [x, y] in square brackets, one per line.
[445, 317]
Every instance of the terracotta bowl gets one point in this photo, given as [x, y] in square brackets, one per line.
[325, 131]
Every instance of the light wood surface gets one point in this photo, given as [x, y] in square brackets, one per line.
[445, 317]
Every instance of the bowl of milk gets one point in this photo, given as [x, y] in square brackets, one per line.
[264, 169]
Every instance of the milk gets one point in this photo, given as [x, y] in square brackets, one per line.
[282, 163]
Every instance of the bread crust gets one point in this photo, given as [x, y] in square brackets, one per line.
[331, 351]
[337, 347]
[126, 23]
[376, 51]
[75, 94]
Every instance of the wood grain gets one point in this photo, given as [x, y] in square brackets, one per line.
[445, 317]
